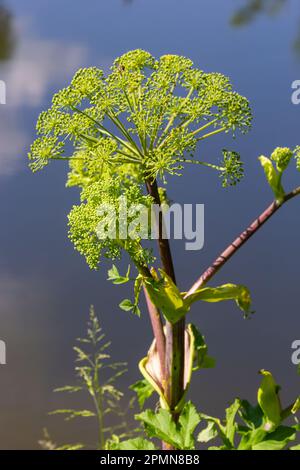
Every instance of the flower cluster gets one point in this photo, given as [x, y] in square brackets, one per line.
[85, 220]
[159, 111]
[297, 156]
[282, 157]
[232, 171]
[141, 121]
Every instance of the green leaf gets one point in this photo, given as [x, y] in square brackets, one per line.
[273, 177]
[68, 389]
[70, 447]
[167, 297]
[252, 415]
[295, 447]
[162, 426]
[202, 360]
[221, 429]
[235, 292]
[225, 431]
[188, 420]
[71, 414]
[268, 400]
[296, 406]
[217, 448]
[209, 433]
[231, 425]
[126, 305]
[277, 440]
[116, 278]
[137, 443]
[252, 438]
[137, 288]
[136, 310]
[143, 389]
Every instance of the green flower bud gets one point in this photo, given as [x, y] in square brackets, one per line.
[282, 157]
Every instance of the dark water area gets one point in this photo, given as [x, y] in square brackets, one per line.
[46, 288]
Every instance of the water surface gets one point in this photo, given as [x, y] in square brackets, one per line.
[46, 288]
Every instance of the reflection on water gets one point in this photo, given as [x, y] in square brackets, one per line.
[252, 8]
[249, 12]
[45, 286]
[7, 37]
[36, 65]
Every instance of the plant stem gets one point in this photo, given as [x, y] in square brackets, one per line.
[156, 321]
[158, 332]
[98, 401]
[240, 241]
[286, 413]
[174, 332]
[217, 131]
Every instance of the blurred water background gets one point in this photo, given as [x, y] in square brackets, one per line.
[46, 288]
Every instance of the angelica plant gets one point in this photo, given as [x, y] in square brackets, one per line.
[123, 135]
[265, 426]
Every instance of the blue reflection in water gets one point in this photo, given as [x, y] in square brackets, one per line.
[46, 288]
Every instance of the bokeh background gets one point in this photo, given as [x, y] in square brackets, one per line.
[46, 288]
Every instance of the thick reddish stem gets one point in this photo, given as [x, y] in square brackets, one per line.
[158, 331]
[239, 241]
[174, 387]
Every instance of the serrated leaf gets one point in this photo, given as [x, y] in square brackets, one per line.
[162, 426]
[208, 434]
[276, 440]
[251, 438]
[231, 425]
[137, 443]
[188, 420]
[220, 427]
[143, 389]
[113, 272]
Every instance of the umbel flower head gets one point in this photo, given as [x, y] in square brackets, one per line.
[146, 112]
[141, 121]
